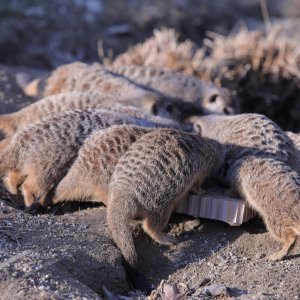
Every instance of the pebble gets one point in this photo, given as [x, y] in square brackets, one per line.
[41, 287]
[259, 255]
[191, 224]
[215, 290]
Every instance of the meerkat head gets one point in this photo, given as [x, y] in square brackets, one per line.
[218, 100]
[176, 109]
[208, 125]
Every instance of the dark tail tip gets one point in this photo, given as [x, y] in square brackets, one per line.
[136, 279]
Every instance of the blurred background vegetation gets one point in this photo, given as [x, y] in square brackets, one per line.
[45, 34]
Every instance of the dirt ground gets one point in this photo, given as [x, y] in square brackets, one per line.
[66, 253]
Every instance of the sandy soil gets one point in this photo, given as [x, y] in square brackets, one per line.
[66, 253]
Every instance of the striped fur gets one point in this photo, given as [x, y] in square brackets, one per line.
[90, 174]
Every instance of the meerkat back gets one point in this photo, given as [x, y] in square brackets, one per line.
[90, 174]
[83, 77]
[150, 178]
[55, 104]
[248, 134]
[50, 106]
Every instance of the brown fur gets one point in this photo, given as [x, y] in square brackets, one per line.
[295, 138]
[259, 156]
[55, 104]
[41, 154]
[150, 178]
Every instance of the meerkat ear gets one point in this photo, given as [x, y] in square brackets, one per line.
[197, 128]
[149, 102]
[32, 88]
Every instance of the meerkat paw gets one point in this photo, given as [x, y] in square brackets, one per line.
[12, 181]
[166, 239]
[288, 243]
[154, 230]
[276, 256]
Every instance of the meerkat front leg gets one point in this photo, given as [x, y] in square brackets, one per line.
[288, 239]
[13, 181]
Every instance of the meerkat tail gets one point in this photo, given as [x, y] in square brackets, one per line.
[118, 219]
[119, 215]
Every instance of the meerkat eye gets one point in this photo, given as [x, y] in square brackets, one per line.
[154, 110]
[169, 108]
[213, 98]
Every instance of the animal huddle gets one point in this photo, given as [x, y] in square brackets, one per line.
[119, 136]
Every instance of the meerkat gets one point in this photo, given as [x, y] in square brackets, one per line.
[211, 98]
[129, 80]
[38, 156]
[259, 156]
[150, 178]
[81, 77]
[90, 174]
[295, 138]
[51, 105]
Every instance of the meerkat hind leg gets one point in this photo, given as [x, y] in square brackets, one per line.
[155, 228]
[29, 192]
[289, 240]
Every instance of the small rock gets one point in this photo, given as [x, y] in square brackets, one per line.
[216, 290]
[191, 224]
[259, 255]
